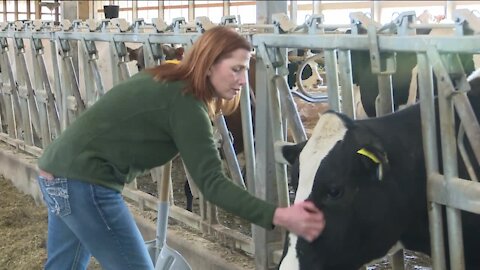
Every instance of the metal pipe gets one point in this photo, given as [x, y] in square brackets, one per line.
[345, 64]
[229, 152]
[247, 132]
[290, 109]
[332, 79]
[449, 157]
[429, 138]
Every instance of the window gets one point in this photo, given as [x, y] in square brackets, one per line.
[248, 9]
[125, 10]
[144, 3]
[475, 8]
[100, 8]
[22, 16]
[10, 6]
[32, 9]
[304, 9]
[147, 10]
[10, 17]
[22, 10]
[211, 9]
[10, 11]
[335, 2]
[341, 16]
[390, 13]
[148, 14]
[175, 9]
[105, 3]
[48, 10]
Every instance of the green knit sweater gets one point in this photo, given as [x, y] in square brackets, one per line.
[141, 124]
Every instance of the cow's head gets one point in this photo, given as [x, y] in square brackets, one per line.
[338, 168]
[170, 53]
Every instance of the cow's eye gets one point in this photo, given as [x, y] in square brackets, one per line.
[334, 192]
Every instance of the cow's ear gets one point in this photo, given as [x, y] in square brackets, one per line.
[179, 53]
[376, 156]
[287, 152]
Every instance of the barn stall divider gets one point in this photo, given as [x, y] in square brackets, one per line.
[37, 105]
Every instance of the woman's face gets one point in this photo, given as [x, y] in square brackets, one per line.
[229, 75]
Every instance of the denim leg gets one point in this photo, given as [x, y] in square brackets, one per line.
[105, 226]
[101, 220]
[64, 249]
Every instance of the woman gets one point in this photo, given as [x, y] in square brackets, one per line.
[140, 124]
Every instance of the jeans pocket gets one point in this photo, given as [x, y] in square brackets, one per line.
[55, 195]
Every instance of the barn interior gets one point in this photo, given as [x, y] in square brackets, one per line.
[57, 58]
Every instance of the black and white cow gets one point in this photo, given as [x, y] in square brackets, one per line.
[368, 177]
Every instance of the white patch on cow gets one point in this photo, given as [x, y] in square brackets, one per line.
[315, 81]
[329, 130]
[290, 262]
[474, 75]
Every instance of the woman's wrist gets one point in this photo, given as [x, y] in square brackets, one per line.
[278, 217]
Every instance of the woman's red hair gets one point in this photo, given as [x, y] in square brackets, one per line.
[211, 47]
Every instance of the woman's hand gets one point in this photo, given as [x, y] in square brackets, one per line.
[303, 219]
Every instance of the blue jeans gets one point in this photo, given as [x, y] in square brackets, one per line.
[86, 219]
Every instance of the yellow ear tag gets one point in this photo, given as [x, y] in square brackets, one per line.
[368, 154]
[172, 62]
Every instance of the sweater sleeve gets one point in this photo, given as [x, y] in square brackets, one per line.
[193, 135]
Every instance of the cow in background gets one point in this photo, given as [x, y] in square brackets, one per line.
[368, 83]
[368, 177]
[405, 62]
[310, 77]
[170, 52]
